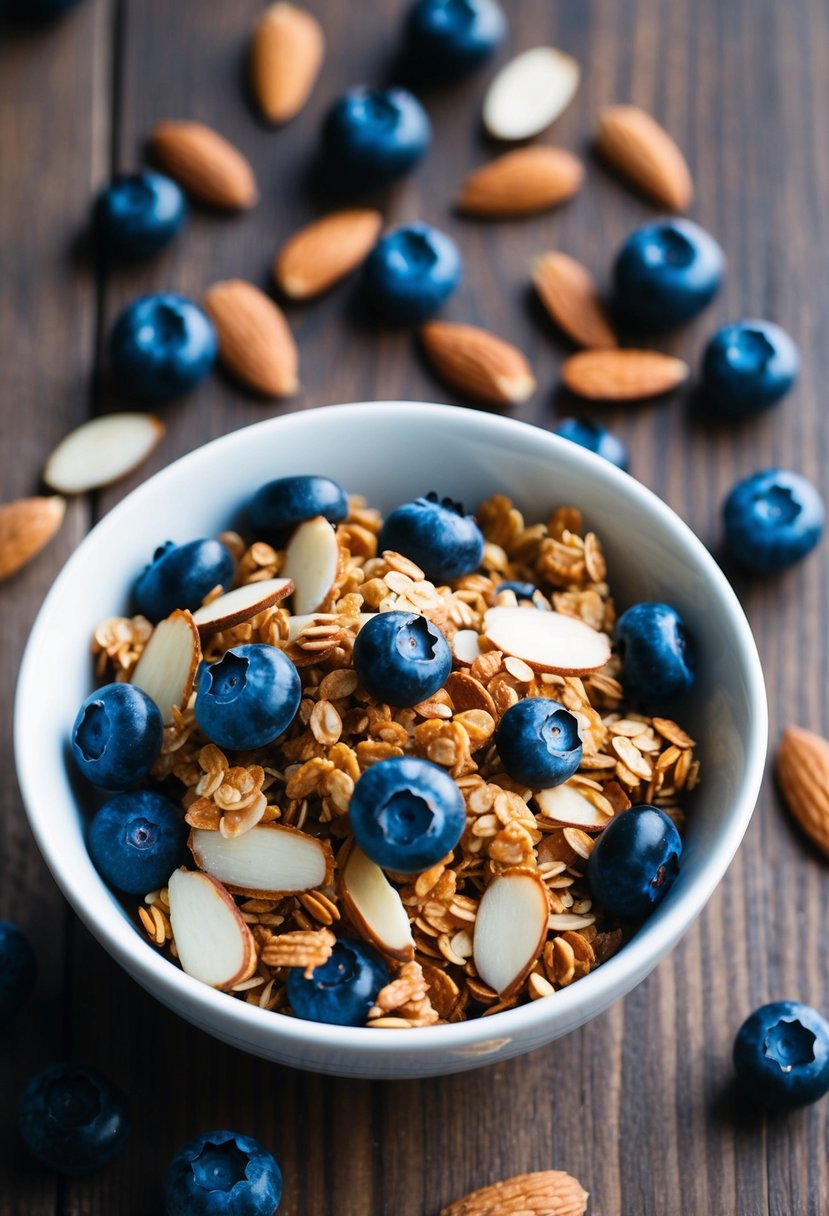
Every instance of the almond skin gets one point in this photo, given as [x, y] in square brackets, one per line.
[26, 525]
[286, 56]
[635, 145]
[477, 363]
[205, 164]
[622, 375]
[569, 293]
[255, 342]
[545, 1193]
[325, 251]
[803, 778]
[521, 183]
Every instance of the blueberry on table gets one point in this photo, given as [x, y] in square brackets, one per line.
[634, 862]
[781, 1055]
[747, 367]
[180, 576]
[342, 990]
[772, 520]
[539, 743]
[410, 273]
[161, 346]
[117, 736]
[657, 652]
[222, 1174]
[139, 213]
[136, 840]
[278, 506]
[73, 1119]
[371, 137]
[446, 40]
[402, 658]
[436, 535]
[595, 438]
[665, 273]
[18, 969]
[248, 698]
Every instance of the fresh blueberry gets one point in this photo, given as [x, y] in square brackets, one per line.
[772, 519]
[371, 137]
[136, 840]
[781, 1055]
[595, 438]
[634, 862]
[410, 273]
[222, 1174]
[139, 213]
[18, 970]
[180, 576]
[521, 591]
[341, 991]
[401, 657]
[406, 814]
[747, 367]
[437, 535]
[539, 743]
[657, 654]
[72, 1119]
[665, 273]
[448, 39]
[248, 698]
[278, 506]
[117, 735]
[161, 346]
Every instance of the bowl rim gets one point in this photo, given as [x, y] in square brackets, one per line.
[573, 1005]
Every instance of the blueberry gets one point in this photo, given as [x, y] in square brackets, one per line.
[139, 213]
[406, 814]
[18, 970]
[443, 541]
[161, 346]
[595, 438]
[222, 1174]
[341, 991]
[248, 698]
[371, 137]
[781, 1055]
[521, 591]
[448, 39]
[747, 367]
[772, 519]
[180, 576]
[657, 652]
[72, 1119]
[634, 862]
[278, 506]
[665, 273]
[410, 273]
[136, 840]
[117, 735]
[401, 658]
[539, 743]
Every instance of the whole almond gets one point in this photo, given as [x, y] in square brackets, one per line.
[286, 56]
[325, 251]
[569, 293]
[476, 362]
[26, 525]
[636, 146]
[521, 183]
[622, 375]
[255, 342]
[205, 164]
[803, 778]
[545, 1193]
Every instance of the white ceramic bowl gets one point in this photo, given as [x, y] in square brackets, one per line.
[392, 451]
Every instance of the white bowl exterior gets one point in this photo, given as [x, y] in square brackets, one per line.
[391, 451]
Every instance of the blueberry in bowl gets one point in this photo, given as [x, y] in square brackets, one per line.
[634, 862]
[747, 367]
[436, 534]
[372, 137]
[665, 273]
[410, 273]
[772, 520]
[136, 840]
[539, 743]
[278, 506]
[658, 654]
[180, 576]
[248, 698]
[342, 990]
[117, 736]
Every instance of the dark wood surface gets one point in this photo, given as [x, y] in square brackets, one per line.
[637, 1104]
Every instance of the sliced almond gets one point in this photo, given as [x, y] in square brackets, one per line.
[311, 561]
[213, 943]
[510, 929]
[530, 92]
[167, 668]
[101, 451]
[622, 375]
[205, 164]
[271, 859]
[241, 604]
[544, 1193]
[26, 525]
[375, 907]
[255, 341]
[635, 145]
[522, 182]
[325, 251]
[465, 647]
[477, 363]
[569, 293]
[568, 807]
[286, 55]
[547, 641]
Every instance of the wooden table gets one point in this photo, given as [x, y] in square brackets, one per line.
[637, 1104]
